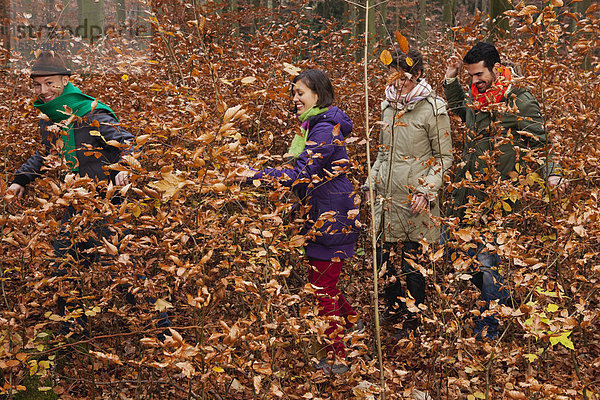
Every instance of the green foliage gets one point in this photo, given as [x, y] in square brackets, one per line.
[36, 389]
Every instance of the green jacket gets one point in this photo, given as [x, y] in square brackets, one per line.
[490, 132]
[412, 157]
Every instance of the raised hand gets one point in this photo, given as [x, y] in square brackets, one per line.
[453, 65]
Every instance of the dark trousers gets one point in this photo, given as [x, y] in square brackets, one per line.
[415, 282]
[68, 243]
[491, 285]
[487, 279]
[71, 248]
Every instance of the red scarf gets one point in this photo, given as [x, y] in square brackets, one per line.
[495, 93]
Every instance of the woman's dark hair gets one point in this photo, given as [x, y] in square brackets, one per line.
[317, 81]
[485, 52]
[400, 60]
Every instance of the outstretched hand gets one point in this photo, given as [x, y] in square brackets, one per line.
[242, 172]
[122, 178]
[17, 190]
[557, 182]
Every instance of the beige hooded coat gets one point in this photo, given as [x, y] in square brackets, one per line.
[412, 158]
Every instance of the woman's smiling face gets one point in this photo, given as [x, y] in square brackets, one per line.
[304, 97]
[401, 80]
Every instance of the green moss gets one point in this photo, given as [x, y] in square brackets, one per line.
[32, 383]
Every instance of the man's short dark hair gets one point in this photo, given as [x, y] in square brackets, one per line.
[317, 81]
[485, 52]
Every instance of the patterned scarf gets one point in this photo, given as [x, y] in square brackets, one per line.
[400, 101]
[495, 93]
[299, 141]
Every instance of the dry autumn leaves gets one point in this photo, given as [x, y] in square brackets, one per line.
[225, 261]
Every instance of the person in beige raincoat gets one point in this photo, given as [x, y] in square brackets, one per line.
[415, 151]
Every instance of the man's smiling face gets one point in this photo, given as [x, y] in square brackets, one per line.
[481, 75]
[47, 88]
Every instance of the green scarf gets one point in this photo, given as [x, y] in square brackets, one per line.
[299, 140]
[81, 104]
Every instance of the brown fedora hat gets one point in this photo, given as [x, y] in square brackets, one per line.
[49, 63]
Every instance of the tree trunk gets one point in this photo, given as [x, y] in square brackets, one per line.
[498, 21]
[581, 8]
[422, 21]
[91, 19]
[233, 8]
[372, 28]
[397, 15]
[353, 15]
[583, 5]
[381, 16]
[121, 12]
[255, 22]
[448, 8]
[485, 6]
[5, 33]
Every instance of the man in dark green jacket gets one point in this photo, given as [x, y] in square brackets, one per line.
[503, 122]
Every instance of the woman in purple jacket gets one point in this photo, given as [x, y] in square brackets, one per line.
[319, 179]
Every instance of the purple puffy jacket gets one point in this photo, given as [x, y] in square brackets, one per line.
[319, 178]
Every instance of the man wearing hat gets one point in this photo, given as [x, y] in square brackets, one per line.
[82, 129]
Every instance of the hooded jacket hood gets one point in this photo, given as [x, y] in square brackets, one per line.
[335, 116]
